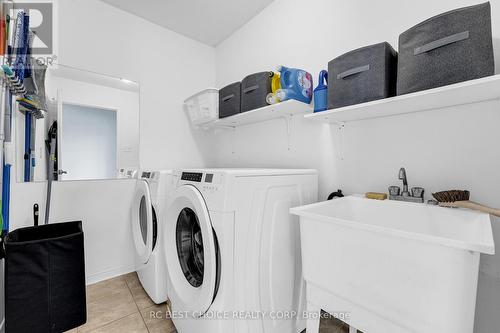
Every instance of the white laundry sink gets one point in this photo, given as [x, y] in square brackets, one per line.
[393, 266]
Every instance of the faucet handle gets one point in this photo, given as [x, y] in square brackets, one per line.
[394, 190]
[417, 192]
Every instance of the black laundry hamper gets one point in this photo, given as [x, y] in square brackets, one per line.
[45, 279]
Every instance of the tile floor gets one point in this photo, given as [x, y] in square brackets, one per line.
[121, 305]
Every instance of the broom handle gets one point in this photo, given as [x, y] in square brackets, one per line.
[472, 205]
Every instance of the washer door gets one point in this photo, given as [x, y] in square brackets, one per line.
[142, 222]
[191, 252]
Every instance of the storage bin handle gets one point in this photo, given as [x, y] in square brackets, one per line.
[353, 71]
[441, 42]
[227, 98]
[250, 89]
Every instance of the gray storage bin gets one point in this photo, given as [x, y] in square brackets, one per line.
[230, 100]
[254, 90]
[449, 48]
[362, 75]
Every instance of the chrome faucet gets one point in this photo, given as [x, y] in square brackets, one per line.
[416, 195]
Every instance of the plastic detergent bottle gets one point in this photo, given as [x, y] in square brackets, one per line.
[276, 82]
[321, 92]
[295, 84]
[275, 86]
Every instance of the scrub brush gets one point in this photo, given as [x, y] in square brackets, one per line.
[460, 199]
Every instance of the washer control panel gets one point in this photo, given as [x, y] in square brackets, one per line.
[205, 181]
[147, 175]
[150, 175]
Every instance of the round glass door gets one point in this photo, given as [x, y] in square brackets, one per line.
[155, 227]
[143, 219]
[190, 246]
[145, 229]
[191, 252]
[143, 222]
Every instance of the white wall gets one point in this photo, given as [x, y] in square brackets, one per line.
[97, 37]
[169, 67]
[441, 149]
[126, 103]
[102, 206]
[90, 143]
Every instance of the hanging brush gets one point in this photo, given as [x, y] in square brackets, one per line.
[16, 86]
[460, 199]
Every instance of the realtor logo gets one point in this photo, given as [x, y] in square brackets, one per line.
[41, 15]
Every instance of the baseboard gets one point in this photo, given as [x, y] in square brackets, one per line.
[109, 274]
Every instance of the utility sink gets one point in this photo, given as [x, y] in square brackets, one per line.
[393, 266]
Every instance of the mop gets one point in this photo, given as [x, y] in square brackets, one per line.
[22, 36]
[3, 108]
[27, 146]
[7, 116]
[29, 79]
[33, 147]
[51, 144]
[6, 197]
[5, 130]
[37, 85]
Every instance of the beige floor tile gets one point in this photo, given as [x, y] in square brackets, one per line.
[333, 329]
[129, 324]
[333, 326]
[130, 277]
[108, 309]
[156, 319]
[107, 289]
[141, 298]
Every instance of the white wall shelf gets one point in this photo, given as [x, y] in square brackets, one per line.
[469, 92]
[285, 110]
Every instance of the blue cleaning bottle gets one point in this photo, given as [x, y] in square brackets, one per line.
[321, 93]
[296, 84]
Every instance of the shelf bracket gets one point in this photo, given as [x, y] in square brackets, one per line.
[233, 140]
[339, 124]
[289, 121]
[341, 129]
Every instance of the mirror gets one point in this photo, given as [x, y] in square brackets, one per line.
[96, 130]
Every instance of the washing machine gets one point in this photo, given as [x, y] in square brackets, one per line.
[148, 209]
[233, 250]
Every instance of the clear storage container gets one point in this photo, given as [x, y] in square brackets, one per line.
[203, 107]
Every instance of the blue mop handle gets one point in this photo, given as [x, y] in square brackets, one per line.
[6, 196]
[27, 147]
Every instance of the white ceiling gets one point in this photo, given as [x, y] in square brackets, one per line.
[208, 21]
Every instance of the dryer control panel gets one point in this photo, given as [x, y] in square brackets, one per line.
[192, 176]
